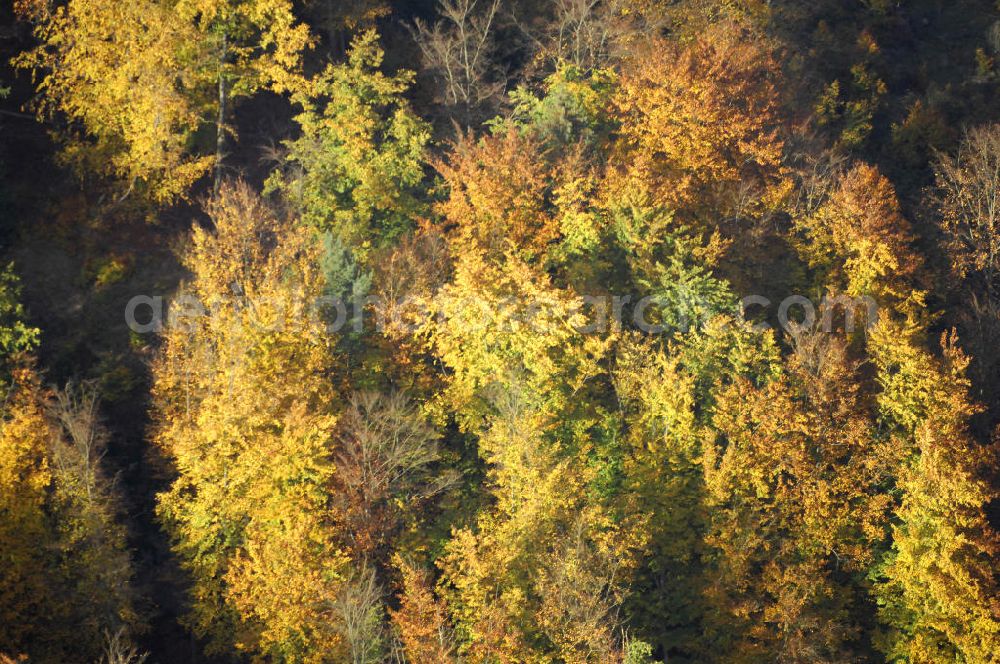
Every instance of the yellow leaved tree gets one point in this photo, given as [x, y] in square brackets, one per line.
[937, 587]
[244, 400]
[137, 82]
[796, 508]
[540, 573]
[859, 240]
[66, 578]
[25, 477]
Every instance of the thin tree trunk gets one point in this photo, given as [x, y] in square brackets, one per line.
[220, 130]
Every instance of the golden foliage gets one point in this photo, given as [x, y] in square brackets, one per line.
[137, 80]
[699, 127]
[497, 198]
[421, 619]
[792, 499]
[25, 479]
[244, 398]
[938, 591]
[519, 367]
[67, 574]
[860, 238]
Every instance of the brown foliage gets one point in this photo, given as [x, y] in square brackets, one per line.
[386, 452]
[699, 125]
[497, 197]
[421, 619]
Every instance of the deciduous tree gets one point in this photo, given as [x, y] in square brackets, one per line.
[936, 587]
[859, 240]
[699, 127]
[137, 81]
[358, 167]
[795, 505]
[245, 406]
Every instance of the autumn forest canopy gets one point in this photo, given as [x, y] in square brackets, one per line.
[500, 332]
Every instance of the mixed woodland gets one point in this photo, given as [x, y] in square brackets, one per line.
[500, 332]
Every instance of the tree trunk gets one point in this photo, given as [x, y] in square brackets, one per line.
[220, 130]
